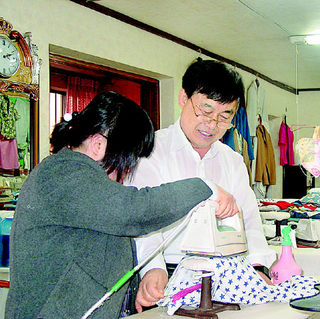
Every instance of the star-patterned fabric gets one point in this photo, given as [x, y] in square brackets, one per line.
[234, 280]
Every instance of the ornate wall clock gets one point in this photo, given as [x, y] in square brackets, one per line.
[9, 57]
[19, 93]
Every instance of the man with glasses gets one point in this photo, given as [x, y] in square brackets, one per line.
[210, 96]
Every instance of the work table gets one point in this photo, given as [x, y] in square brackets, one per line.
[273, 310]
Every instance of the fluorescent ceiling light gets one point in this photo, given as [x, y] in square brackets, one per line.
[305, 39]
[313, 39]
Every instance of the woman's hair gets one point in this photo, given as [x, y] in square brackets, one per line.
[127, 126]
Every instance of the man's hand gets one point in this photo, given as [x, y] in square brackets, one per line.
[151, 288]
[265, 278]
[263, 275]
[227, 204]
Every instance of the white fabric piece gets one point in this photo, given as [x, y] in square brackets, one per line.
[256, 105]
[274, 215]
[260, 190]
[173, 158]
[269, 208]
[234, 281]
[308, 229]
[23, 123]
[314, 190]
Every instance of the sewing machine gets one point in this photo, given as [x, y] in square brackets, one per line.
[208, 235]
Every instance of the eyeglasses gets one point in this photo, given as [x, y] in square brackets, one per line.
[206, 118]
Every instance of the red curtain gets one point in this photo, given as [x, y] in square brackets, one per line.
[80, 92]
[129, 89]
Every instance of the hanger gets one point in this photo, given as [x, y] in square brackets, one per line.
[257, 81]
[285, 119]
[300, 126]
[284, 116]
[199, 58]
[259, 119]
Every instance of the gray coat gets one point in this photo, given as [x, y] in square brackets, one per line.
[71, 235]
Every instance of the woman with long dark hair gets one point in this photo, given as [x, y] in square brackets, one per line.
[72, 232]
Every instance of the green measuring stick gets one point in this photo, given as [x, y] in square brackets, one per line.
[122, 281]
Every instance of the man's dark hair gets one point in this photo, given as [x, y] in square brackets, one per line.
[215, 80]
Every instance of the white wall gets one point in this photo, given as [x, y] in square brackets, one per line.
[308, 112]
[96, 37]
[63, 26]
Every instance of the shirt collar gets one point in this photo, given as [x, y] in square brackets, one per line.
[181, 142]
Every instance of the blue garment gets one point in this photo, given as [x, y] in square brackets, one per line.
[240, 121]
[228, 138]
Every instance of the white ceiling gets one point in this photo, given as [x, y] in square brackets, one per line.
[253, 33]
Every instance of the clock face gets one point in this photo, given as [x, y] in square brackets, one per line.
[9, 57]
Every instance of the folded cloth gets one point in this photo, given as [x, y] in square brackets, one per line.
[280, 203]
[269, 208]
[233, 281]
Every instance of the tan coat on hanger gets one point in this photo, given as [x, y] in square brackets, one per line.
[265, 167]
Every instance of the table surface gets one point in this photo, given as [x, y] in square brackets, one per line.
[307, 258]
[273, 310]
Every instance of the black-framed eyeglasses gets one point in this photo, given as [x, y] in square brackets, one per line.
[206, 118]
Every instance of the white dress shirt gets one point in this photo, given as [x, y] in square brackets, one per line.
[173, 158]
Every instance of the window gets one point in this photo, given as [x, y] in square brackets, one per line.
[56, 108]
[143, 90]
